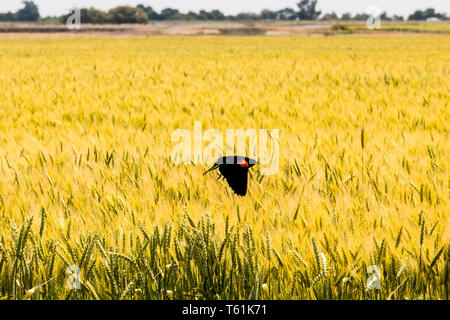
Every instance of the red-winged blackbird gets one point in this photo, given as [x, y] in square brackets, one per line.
[235, 170]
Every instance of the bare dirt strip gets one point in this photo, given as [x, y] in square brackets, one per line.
[163, 28]
[183, 28]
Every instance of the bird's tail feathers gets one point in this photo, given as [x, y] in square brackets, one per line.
[215, 166]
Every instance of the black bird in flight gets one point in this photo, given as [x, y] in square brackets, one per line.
[235, 170]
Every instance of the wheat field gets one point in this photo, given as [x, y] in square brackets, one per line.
[361, 195]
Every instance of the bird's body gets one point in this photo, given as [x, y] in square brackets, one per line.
[235, 170]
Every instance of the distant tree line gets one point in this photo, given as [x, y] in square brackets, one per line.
[427, 14]
[29, 12]
[306, 10]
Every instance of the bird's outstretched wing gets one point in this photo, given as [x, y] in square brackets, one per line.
[236, 178]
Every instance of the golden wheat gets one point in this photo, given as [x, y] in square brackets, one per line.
[86, 177]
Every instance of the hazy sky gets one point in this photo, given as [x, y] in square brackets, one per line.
[400, 7]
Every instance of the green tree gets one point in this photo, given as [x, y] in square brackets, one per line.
[127, 14]
[385, 17]
[168, 13]
[30, 12]
[90, 15]
[307, 10]
[191, 15]
[330, 16]
[217, 15]
[346, 16]
[151, 14]
[247, 16]
[361, 17]
[267, 14]
[9, 16]
[212, 15]
[426, 14]
[286, 14]
[203, 15]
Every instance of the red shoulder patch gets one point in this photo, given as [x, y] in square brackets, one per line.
[243, 164]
